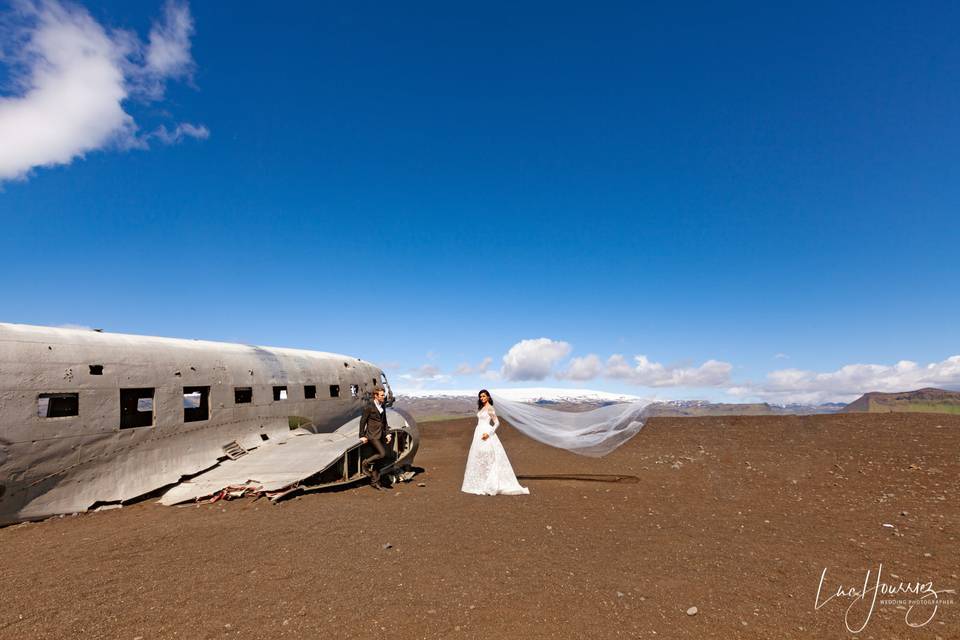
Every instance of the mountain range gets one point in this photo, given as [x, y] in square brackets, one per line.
[446, 404]
[927, 400]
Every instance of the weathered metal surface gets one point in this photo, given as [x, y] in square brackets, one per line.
[271, 467]
[281, 465]
[71, 463]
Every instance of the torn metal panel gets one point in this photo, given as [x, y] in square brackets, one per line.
[270, 467]
[273, 467]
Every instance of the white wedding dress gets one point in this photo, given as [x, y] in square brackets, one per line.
[488, 470]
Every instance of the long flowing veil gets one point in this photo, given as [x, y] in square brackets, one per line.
[592, 433]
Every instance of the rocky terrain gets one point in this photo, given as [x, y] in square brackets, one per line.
[719, 528]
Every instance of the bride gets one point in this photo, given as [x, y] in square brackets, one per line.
[488, 470]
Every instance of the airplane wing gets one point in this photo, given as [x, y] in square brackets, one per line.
[304, 461]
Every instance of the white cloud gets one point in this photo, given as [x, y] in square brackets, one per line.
[465, 369]
[851, 381]
[182, 130]
[585, 368]
[71, 78]
[645, 373]
[537, 359]
[427, 371]
[425, 374]
[533, 359]
[168, 53]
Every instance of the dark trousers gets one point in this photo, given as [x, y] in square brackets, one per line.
[380, 454]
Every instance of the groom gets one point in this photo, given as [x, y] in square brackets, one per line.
[373, 429]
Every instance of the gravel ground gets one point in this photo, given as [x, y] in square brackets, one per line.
[736, 516]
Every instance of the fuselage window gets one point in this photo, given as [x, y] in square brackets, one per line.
[136, 408]
[334, 391]
[242, 395]
[279, 393]
[96, 369]
[196, 404]
[309, 391]
[58, 405]
[354, 390]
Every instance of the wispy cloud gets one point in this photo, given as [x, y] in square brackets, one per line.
[465, 369]
[546, 358]
[850, 381]
[644, 373]
[424, 375]
[583, 368]
[72, 78]
[540, 358]
[168, 51]
[179, 133]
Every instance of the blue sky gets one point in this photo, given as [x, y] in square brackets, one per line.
[760, 202]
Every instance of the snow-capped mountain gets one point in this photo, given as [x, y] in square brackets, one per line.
[532, 394]
[435, 404]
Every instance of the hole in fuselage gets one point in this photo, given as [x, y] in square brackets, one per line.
[136, 408]
[196, 404]
[58, 405]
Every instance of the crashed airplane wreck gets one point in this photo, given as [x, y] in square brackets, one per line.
[92, 420]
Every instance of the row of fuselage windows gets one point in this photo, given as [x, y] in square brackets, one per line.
[136, 405]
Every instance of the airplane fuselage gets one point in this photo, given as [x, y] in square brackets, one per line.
[90, 418]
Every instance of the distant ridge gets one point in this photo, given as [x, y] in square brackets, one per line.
[927, 400]
[447, 404]
[524, 394]
[444, 404]
[701, 408]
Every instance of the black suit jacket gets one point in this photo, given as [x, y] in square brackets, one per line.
[373, 423]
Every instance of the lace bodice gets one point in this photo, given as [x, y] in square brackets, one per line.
[483, 420]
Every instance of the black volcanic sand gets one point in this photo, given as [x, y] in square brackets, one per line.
[737, 516]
